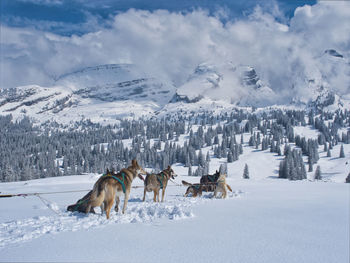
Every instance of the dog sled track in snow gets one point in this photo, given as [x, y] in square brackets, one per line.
[138, 212]
[23, 230]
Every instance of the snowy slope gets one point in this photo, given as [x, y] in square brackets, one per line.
[265, 219]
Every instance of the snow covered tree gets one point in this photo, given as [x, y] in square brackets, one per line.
[309, 161]
[246, 172]
[189, 171]
[347, 180]
[229, 157]
[223, 168]
[207, 158]
[342, 154]
[318, 173]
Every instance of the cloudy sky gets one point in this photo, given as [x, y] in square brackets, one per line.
[43, 39]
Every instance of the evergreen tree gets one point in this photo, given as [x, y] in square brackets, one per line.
[246, 172]
[342, 154]
[309, 161]
[207, 158]
[229, 157]
[347, 180]
[189, 171]
[223, 168]
[318, 173]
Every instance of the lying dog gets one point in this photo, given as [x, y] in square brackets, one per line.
[155, 182]
[113, 186]
[207, 184]
[194, 189]
[221, 186]
[81, 205]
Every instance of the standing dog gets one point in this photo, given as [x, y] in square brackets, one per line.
[221, 186]
[113, 186]
[155, 182]
[208, 181]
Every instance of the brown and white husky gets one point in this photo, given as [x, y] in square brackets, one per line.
[155, 182]
[113, 186]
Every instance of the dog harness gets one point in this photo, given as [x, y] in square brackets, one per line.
[79, 204]
[196, 186]
[120, 181]
[160, 181]
[211, 178]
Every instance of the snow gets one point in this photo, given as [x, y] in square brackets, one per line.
[306, 131]
[265, 219]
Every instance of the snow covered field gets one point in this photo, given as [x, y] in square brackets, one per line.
[265, 219]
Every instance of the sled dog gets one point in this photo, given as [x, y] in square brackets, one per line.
[113, 186]
[221, 186]
[80, 205]
[155, 182]
[194, 189]
[208, 181]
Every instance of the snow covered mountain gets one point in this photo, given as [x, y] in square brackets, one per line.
[105, 93]
[239, 85]
[325, 84]
[99, 93]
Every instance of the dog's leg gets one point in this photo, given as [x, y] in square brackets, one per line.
[126, 199]
[144, 195]
[215, 193]
[109, 207]
[117, 201]
[88, 207]
[158, 191]
[187, 192]
[155, 195]
[163, 191]
[103, 207]
[224, 193]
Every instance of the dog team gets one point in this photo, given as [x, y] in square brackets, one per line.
[111, 186]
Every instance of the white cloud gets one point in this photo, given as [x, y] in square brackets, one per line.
[170, 45]
[43, 2]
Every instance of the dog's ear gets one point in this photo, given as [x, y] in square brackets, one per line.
[169, 168]
[108, 171]
[134, 162]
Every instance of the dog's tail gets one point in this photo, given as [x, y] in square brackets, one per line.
[186, 183]
[229, 187]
